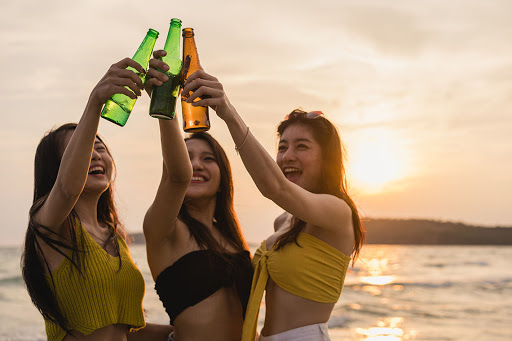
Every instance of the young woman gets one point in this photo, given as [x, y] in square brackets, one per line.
[196, 252]
[76, 265]
[302, 266]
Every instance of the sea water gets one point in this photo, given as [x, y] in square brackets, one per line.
[392, 293]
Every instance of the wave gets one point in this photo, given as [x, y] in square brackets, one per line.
[485, 284]
[458, 264]
[16, 280]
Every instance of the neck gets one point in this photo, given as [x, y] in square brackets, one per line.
[87, 209]
[203, 210]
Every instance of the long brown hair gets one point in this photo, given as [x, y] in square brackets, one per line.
[33, 262]
[333, 180]
[225, 216]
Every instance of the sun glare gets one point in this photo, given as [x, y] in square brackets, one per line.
[389, 329]
[376, 160]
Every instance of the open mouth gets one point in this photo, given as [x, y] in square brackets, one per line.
[292, 173]
[97, 170]
[197, 179]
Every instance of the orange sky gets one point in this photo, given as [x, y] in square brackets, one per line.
[420, 91]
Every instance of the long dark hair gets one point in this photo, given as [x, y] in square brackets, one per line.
[333, 179]
[33, 261]
[225, 216]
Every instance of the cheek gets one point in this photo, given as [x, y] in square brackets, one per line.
[279, 159]
[216, 173]
[316, 163]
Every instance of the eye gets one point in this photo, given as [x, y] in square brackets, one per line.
[210, 158]
[302, 146]
[281, 148]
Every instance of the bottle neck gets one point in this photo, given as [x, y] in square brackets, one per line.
[143, 53]
[190, 56]
[172, 44]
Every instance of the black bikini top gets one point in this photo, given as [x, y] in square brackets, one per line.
[198, 275]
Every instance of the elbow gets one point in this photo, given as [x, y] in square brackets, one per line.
[181, 176]
[273, 190]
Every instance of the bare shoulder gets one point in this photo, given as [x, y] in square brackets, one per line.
[281, 220]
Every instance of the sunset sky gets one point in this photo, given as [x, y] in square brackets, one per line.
[421, 92]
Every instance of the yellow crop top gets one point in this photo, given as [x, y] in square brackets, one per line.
[314, 270]
[103, 296]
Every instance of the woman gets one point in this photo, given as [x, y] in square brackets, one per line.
[76, 265]
[302, 266]
[196, 252]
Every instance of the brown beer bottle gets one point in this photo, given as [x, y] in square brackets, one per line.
[194, 118]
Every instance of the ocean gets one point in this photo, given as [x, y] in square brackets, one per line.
[394, 292]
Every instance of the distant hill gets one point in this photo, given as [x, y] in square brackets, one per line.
[421, 232]
[431, 232]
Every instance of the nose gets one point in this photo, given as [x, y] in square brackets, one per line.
[95, 155]
[289, 155]
[196, 162]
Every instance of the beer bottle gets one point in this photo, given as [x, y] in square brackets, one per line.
[194, 118]
[163, 98]
[118, 108]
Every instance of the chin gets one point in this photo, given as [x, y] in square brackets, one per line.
[96, 187]
[199, 195]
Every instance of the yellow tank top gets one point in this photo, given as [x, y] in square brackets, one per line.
[103, 296]
[314, 270]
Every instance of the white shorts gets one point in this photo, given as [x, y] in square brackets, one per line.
[314, 332]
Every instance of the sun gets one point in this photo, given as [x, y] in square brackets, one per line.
[376, 160]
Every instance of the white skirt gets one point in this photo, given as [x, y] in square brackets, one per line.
[314, 332]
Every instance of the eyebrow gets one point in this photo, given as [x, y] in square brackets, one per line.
[300, 139]
[203, 153]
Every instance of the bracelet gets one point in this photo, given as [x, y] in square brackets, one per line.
[245, 140]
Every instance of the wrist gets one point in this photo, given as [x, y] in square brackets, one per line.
[229, 116]
[95, 103]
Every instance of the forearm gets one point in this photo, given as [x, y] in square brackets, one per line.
[76, 158]
[261, 166]
[174, 152]
[150, 332]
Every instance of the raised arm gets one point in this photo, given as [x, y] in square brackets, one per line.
[323, 210]
[76, 158]
[160, 219]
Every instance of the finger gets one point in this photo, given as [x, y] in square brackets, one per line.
[127, 82]
[154, 73]
[128, 62]
[159, 53]
[197, 83]
[214, 103]
[199, 74]
[129, 74]
[205, 92]
[158, 64]
[122, 90]
[152, 82]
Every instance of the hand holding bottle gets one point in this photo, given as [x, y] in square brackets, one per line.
[118, 108]
[154, 77]
[115, 80]
[211, 93]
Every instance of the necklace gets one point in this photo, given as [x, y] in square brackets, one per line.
[103, 243]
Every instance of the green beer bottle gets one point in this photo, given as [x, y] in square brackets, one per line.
[163, 98]
[118, 107]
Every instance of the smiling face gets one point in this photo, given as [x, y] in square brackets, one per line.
[206, 173]
[99, 176]
[300, 157]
